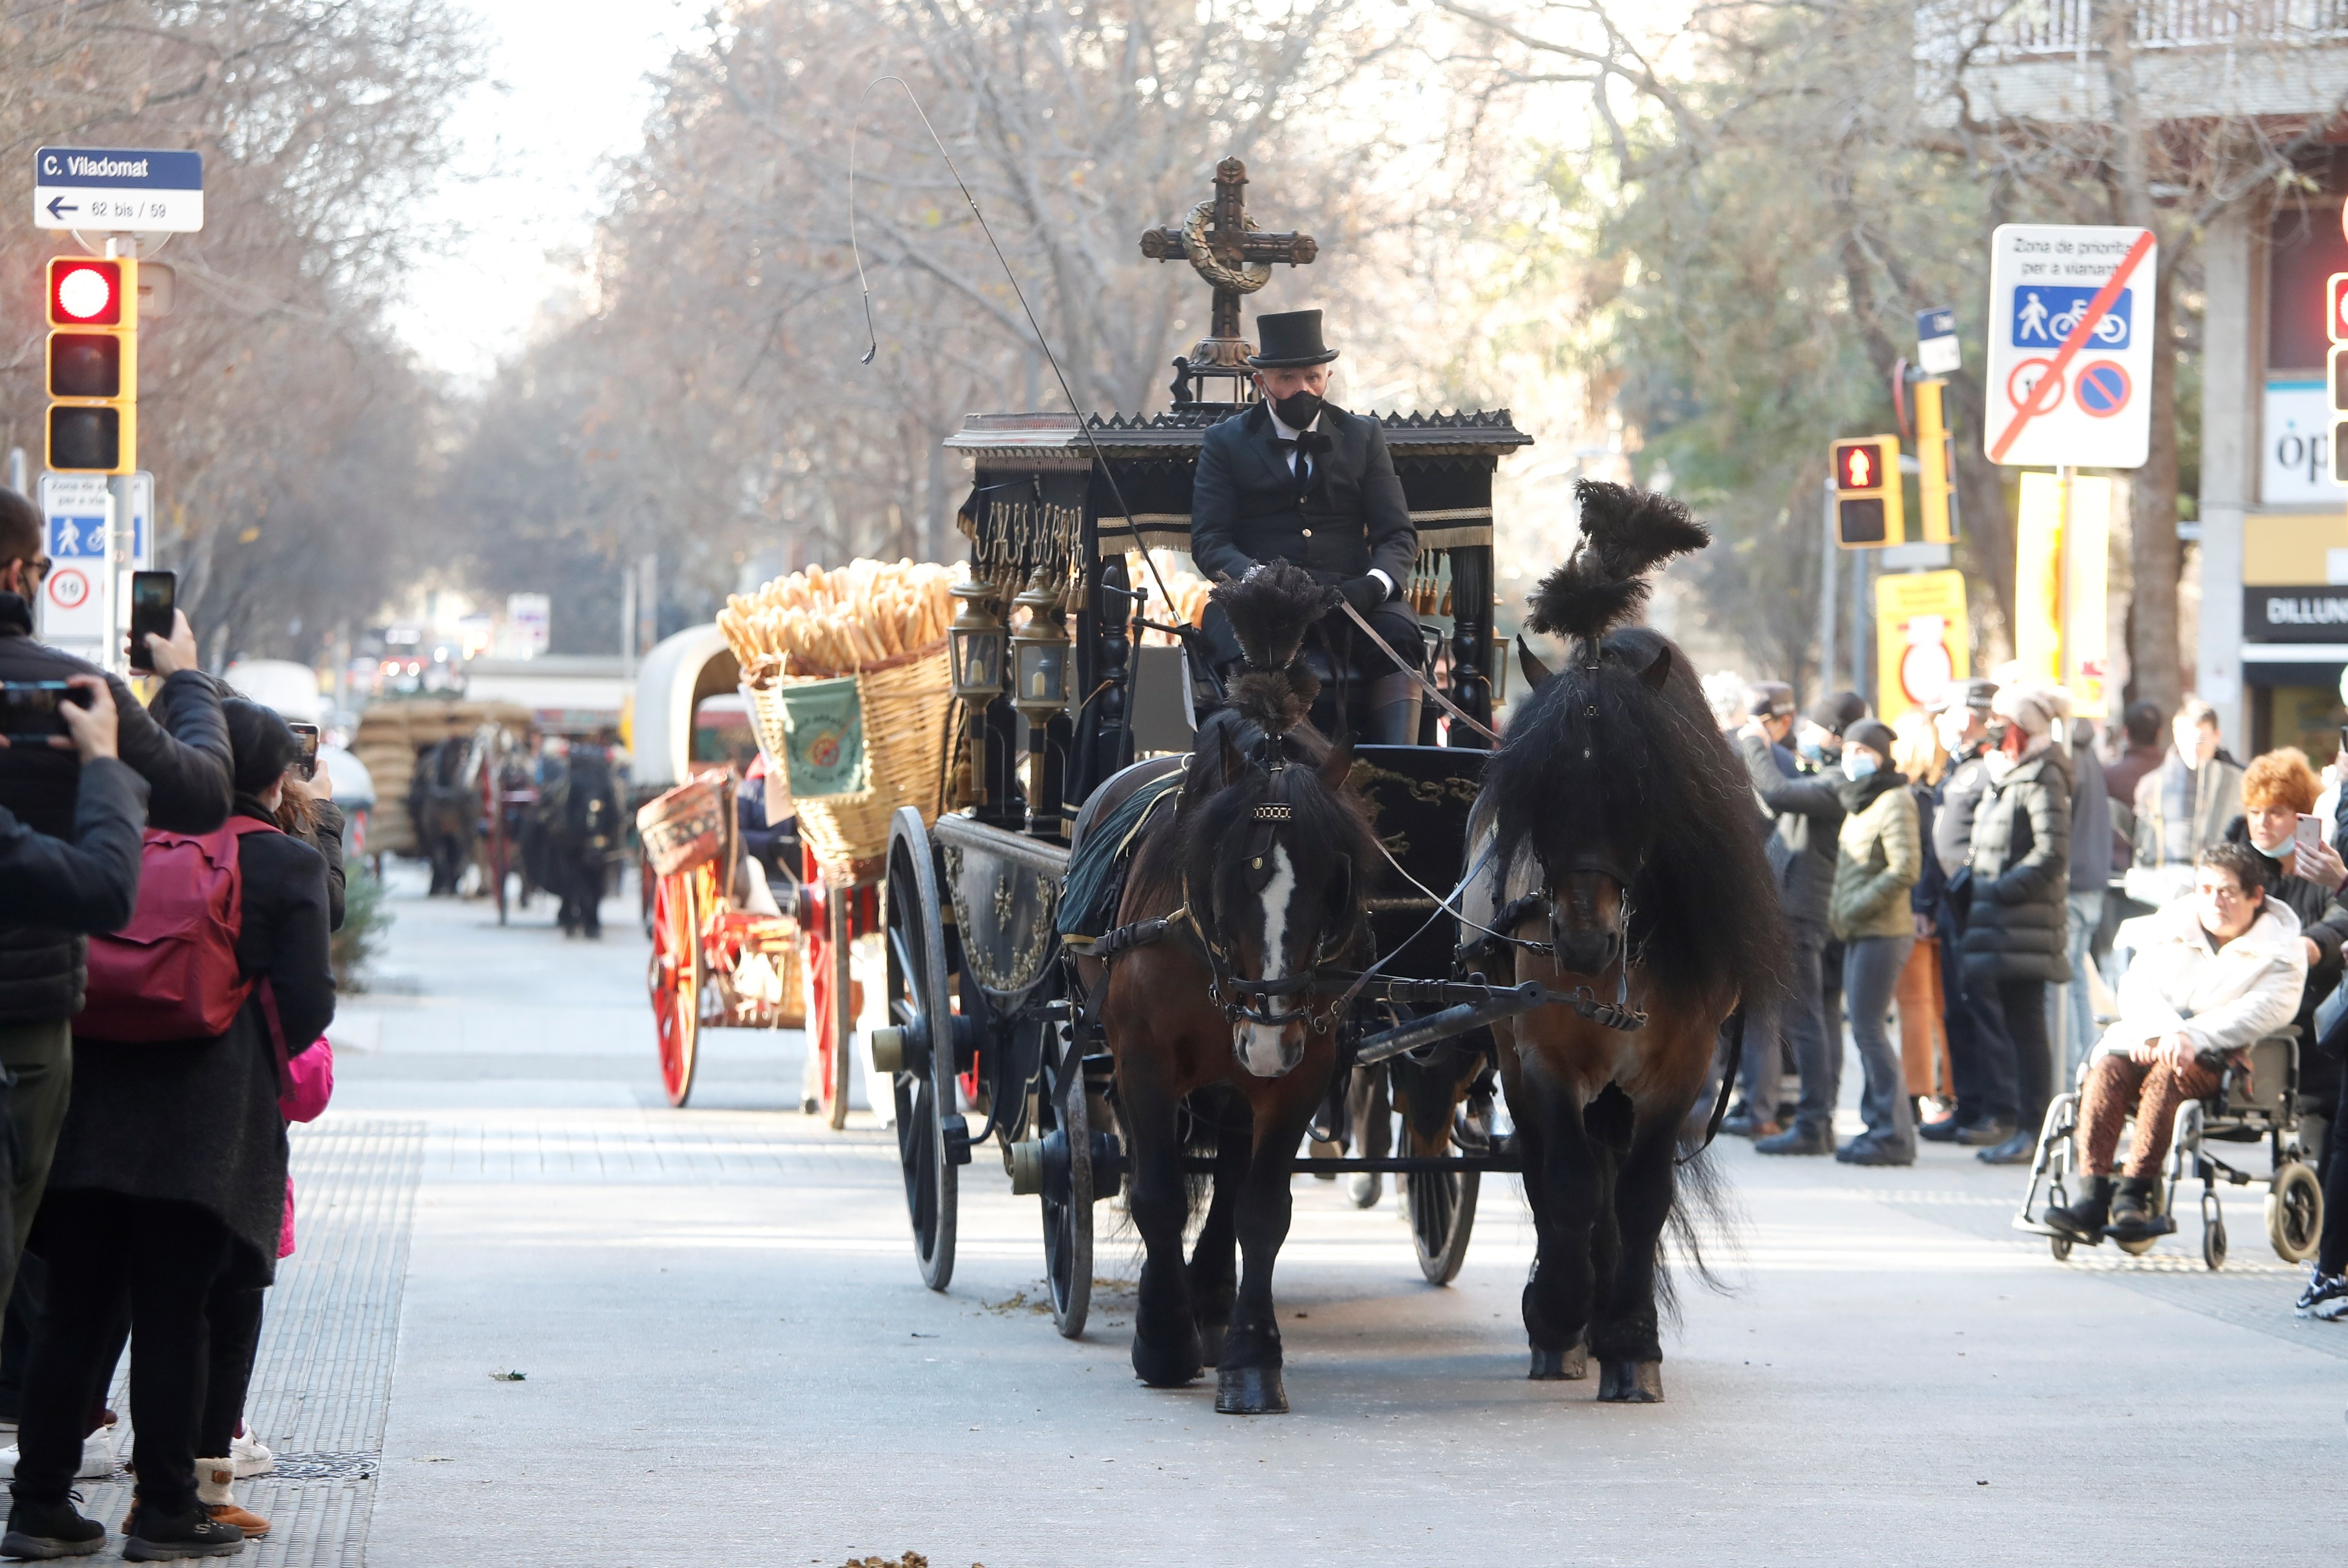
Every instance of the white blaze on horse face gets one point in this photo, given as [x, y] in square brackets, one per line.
[1259, 1044]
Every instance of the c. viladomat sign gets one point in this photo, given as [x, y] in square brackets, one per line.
[2296, 614]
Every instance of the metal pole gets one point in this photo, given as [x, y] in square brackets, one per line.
[1827, 616]
[2062, 473]
[628, 624]
[19, 475]
[1862, 610]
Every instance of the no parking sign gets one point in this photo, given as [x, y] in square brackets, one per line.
[2070, 346]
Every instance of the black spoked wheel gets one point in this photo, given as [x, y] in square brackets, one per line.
[2294, 1212]
[1068, 1204]
[923, 1080]
[1442, 1208]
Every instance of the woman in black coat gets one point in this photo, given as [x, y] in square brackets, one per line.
[169, 1184]
[2016, 890]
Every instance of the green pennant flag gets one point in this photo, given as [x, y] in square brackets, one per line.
[823, 730]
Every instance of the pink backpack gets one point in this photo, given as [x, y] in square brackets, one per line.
[172, 974]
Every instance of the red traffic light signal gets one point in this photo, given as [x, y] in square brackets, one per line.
[1858, 466]
[1869, 507]
[84, 290]
[2335, 307]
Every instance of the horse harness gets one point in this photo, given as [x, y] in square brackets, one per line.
[1241, 1000]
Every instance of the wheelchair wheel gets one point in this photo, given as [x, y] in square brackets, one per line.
[2213, 1244]
[2060, 1247]
[2294, 1212]
[2137, 1248]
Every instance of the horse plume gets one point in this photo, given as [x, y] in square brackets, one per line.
[1625, 534]
[1269, 610]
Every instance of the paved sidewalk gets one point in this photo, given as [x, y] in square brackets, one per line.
[727, 1355]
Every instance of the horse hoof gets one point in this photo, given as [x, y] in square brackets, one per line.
[1631, 1382]
[1250, 1391]
[1567, 1365]
[1210, 1342]
[1162, 1369]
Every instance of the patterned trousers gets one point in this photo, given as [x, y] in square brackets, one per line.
[2113, 1085]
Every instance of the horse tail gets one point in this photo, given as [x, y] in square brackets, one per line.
[1625, 534]
[1703, 1206]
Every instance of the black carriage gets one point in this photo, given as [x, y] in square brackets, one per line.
[985, 1027]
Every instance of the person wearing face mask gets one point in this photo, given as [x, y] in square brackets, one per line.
[1768, 724]
[2223, 969]
[1877, 861]
[1984, 1113]
[2277, 788]
[1809, 811]
[168, 1187]
[2016, 925]
[1297, 479]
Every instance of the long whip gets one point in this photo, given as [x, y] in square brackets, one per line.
[872, 335]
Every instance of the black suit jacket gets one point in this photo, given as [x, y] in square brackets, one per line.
[1245, 506]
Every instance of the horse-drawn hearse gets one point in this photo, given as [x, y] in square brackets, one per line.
[1129, 971]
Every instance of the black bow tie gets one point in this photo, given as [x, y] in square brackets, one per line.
[1306, 442]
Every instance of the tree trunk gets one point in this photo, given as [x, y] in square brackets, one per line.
[2155, 559]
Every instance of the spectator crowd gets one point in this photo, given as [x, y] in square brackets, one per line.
[170, 874]
[2006, 904]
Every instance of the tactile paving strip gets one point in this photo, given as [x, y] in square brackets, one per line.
[322, 1379]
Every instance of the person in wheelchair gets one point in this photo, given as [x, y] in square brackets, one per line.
[1297, 479]
[2223, 969]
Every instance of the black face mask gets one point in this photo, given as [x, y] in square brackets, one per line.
[1298, 409]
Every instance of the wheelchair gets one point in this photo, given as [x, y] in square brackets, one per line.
[2260, 1105]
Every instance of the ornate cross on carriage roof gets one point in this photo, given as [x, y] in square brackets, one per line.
[1224, 246]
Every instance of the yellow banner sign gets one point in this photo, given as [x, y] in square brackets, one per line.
[1921, 640]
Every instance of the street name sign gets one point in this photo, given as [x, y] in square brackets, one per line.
[2070, 346]
[101, 190]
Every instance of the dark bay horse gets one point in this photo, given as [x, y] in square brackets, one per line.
[1221, 1032]
[1626, 857]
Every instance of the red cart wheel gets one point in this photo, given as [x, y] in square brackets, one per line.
[674, 978]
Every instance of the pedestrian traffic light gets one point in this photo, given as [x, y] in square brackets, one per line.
[2335, 383]
[1868, 510]
[93, 365]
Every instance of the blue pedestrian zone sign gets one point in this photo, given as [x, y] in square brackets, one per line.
[77, 538]
[2045, 314]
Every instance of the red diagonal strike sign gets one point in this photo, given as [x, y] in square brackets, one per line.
[2048, 392]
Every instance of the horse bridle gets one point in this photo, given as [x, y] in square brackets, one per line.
[1616, 1015]
[1225, 989]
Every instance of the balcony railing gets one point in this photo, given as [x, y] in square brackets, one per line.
[2027, 29]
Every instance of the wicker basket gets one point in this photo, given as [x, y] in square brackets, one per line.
[908, 703]
[688, 826]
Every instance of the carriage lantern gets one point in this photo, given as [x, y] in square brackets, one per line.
[1039, 653]
[978, 643]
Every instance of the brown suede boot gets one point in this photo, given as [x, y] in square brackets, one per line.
[216, 1494]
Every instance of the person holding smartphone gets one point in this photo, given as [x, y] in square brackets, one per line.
[179, 747]
[87, 880]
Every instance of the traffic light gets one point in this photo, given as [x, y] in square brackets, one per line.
[2336, 380]
[93, 365]
[1868, 510]
[1936, 459]
[2335, 325]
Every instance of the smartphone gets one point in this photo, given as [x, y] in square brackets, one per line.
[153, 595]
[2309, 833]
[307, 734]
[29, 709]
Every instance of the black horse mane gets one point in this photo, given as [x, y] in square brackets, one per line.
[1624, 727]
[1261, 751]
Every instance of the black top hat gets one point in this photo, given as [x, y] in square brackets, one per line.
[1292, 340]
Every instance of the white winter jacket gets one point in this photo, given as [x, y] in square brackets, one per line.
[2222, 1000]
